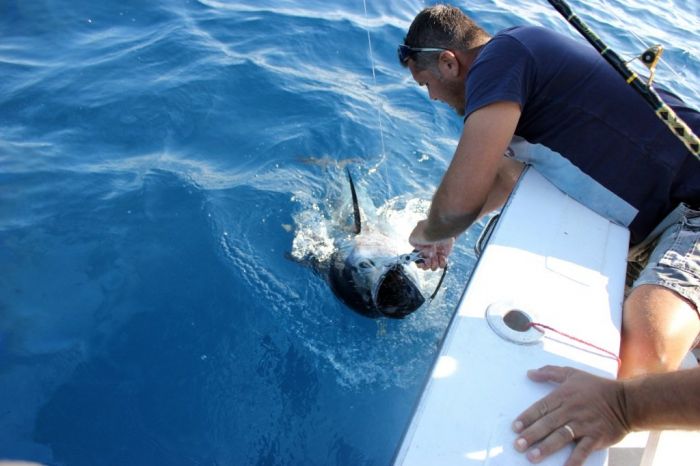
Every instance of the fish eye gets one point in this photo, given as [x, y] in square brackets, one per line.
[366, 264]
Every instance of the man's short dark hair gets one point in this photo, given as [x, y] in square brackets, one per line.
[442, 26]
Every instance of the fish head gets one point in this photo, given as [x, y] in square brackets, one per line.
[366, 275]
[397, 293]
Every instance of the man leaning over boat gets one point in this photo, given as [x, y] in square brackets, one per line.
[595, 139]
[551, 90]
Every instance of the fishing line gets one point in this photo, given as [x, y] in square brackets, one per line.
[641, 40]
[379, 104]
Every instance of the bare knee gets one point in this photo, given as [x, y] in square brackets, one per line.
[658, 329]
[644, 352]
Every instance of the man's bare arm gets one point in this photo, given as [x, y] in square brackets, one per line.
[664, 401]
[464, 190]
[503, 185]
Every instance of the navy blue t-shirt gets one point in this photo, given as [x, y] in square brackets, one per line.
[577, 105]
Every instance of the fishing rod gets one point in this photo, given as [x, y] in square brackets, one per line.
[650, 58]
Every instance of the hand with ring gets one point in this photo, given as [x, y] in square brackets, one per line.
[585, 409]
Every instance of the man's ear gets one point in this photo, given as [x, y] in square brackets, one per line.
[448, 64]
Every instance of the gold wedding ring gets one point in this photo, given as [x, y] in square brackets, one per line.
[570, 431]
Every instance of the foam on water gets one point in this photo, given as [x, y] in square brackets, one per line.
[356, 361]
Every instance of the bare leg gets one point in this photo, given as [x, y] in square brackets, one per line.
[658, 329]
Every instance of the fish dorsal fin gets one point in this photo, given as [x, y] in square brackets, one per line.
[355, 205]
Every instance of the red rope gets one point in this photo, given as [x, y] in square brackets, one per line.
[539, 327]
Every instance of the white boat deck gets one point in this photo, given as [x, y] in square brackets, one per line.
[561, 265]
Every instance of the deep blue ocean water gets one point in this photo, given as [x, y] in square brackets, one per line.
[162, 163]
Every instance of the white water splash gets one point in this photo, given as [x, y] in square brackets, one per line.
[365, 351]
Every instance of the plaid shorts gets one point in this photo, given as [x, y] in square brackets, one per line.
[671, 259]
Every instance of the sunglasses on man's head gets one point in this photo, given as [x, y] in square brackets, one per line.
[405, 52]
